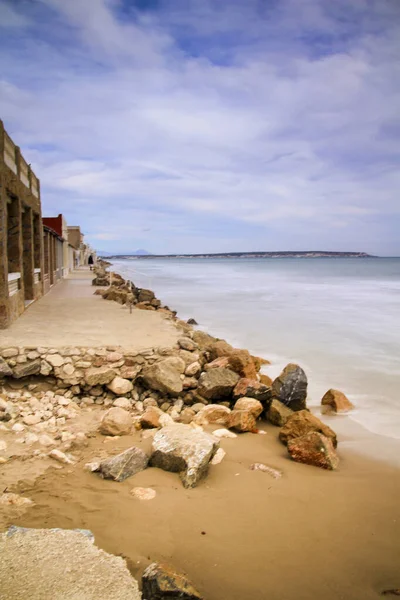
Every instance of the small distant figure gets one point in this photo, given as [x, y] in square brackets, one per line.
[90, 262]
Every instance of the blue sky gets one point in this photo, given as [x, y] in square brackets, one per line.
[210, 125]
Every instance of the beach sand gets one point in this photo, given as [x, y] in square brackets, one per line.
[241, 534]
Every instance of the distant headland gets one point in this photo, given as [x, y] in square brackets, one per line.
[284, 254]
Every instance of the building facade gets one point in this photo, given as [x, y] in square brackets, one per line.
[21, 239]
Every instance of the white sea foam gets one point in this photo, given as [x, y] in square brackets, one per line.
[338, 318]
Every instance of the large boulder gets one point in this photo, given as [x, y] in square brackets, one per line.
[250, 404]
[266, 379]
[5, 370]
[116, 421]
[251, 388]
[165, 376]
[290, 387]
[213, 414]
[71, 567]
[123, 465]
[242, 421]
[203, 339]
[218, 348]
[185, 450]
[27, 369]
[161, 582]
[145, 295]
[99, 375]
[303, 422]
[336, 402]
[314, 449]
[120, 386]
[217, 383]
[242, 363]
[278, 413]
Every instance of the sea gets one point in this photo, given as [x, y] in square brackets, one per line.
[339, 318]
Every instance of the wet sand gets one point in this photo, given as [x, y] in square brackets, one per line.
[241, 534]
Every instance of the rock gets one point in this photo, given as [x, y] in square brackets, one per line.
[242, 363]
[218, 456]
[303, 422]
[124, 465]
[73, 567]
[10, 499]
[218, 348]
[61, 457]
[124, 403]
[222, 361]
[120, 386]
[9, 352]
[55, 360]
[5, 370]
[251, 388]
[242, 421]
[314, 449]
[266, 380]
[187, 344]
[45, 368]
[192, 321]
[213, 414]
[224, 433]
[290, 387]
[161, 582]
[203, 339]
[187, 415]
[259, 362]
[46, 440]
[250, 404]
[151, 417]
[335, 401]
[142, 493]
[3, 445]
[99, 375]
[145, 295]
[192, 369]
[17, 428]
[116, 421]
[278, 413]
[261, 467]
[185, 450]
[165, 376]
[27, 369]
[217, 383]
[32, 419]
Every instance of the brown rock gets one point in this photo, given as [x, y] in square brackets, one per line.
[187, 415]
[213, 414]
[5, 370]
[222, 361]
[303, 422]
[187, 344]
[151, 417]
[116, 421]
[217, 383]
[335, 401]
[120, 386]
[99, 376]
[250, 404]
[161, 582]
[203, 339]
[165, 376]
[290, 387]
[278, 413]
[27, 369]
[251, 388]
[219, 348]
[266, 380]
[259, 362]
[241, 362]
[314, 449]
[242, 421]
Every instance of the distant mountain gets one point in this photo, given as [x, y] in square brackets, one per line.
[141, 252]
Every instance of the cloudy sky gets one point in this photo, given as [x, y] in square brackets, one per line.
[210, 125]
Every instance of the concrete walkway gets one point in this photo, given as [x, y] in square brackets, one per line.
[71, 315]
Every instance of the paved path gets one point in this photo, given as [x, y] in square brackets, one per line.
[70, 315]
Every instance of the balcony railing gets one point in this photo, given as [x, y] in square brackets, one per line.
[14, 283]
[36, 275]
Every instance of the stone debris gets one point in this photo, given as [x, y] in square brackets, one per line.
[10, 499]
[123, 465]
[303, 422]
[266, 469]
[224, 433]
[185, 450]
[335, 401]
[116, 421]
[218, 456]
[161, 581]
[290, 387]
[61, 457]
[142, 493]
[71, 567]
[314, 449]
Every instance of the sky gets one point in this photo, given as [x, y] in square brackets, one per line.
[210, 125]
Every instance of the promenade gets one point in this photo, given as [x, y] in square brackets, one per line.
[71, 315]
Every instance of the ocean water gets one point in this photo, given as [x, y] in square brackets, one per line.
[338, 318]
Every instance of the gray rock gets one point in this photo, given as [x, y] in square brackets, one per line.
[217, 383]
[278, 413]
[124, 465]
[27, 369]
[185, 450]
[161, 582]
[5, 370]
[290, 387]
[72, 567]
